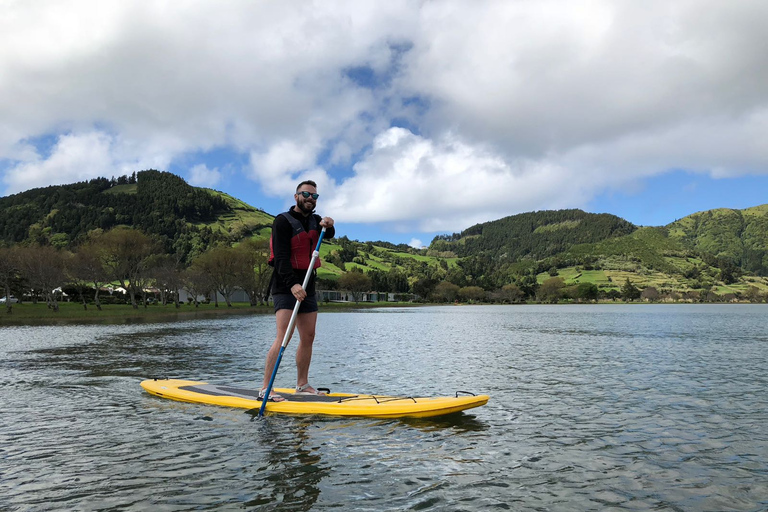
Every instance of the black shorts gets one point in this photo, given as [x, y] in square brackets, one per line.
[288, 301]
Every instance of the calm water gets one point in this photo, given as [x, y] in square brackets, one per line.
[592, 408]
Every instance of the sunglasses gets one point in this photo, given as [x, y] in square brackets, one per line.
[307, 195]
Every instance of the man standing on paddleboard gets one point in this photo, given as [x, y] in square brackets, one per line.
[294, 237]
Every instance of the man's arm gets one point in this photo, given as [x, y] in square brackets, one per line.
[282, 232]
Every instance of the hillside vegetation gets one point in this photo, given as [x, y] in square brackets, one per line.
[185, 219]
[719, 252]
[534, 235]
[546, 255]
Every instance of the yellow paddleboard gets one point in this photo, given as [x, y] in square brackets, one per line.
[333, 404]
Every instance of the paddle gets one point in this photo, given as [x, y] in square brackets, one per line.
[289, 331]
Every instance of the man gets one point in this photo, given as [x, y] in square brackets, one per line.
[294, 237]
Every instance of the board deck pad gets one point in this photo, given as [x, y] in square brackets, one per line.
[253, 394]
[332, 404]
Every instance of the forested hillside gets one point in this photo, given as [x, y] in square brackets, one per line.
[181, 216]
[711, 254]
[534, 235]
[740, 236]
[154, 229]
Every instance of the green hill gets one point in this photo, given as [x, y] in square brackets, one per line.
[740, 236]
[184, 218]
[723, 251]
[239, 220]
[534, 235]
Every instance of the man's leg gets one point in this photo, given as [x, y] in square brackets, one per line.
[305, 323]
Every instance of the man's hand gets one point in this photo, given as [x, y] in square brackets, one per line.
[298, 292]
[326, 222]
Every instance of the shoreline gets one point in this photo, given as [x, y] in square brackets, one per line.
[29, 314]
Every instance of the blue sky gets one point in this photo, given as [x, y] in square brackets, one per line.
[676, 194]
[415, 118]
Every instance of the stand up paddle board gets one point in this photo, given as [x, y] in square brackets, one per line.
[332, 404]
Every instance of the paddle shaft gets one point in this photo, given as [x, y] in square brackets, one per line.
[291, 324]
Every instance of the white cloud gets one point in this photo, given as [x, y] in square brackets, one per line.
[73, 158]
[416, 243]
[510, 105]
[201, 176]
[174, 81]
[412, 182]
[543, 77]
[281, 162]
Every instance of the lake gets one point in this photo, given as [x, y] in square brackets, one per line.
[597, 407]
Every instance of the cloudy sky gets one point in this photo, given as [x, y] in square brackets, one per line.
[415, 118]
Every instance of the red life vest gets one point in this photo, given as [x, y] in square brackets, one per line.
[303, 243]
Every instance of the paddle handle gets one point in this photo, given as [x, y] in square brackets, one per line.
[289, 331]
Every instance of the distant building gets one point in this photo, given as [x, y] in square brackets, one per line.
[344, 296]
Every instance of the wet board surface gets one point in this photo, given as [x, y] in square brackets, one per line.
[333, 404]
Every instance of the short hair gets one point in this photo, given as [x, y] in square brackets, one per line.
[306, 182]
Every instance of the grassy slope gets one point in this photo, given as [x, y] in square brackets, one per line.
[122, 189]
[242, 219]
[723, 232]
[660, 257]
[650, 256]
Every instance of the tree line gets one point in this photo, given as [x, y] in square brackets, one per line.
[135, 261]
[492, 280]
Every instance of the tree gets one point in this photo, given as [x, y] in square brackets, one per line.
[197, 282]
[347, 250]
[356, 282]
[124, 253]
[753, 294]
[472, 293]
[512, 293]
[86, 268]
[587, 292]
[423, 287]
[253, 272]
[529, 284]
[445, 292]
[456, 276]
[650, 294]
[8, 271]
[551, 290]
[74, 281]
[164, 269]
[630, 292]
[44, 268]
[729, 272]
[397, 281]
[221, 265]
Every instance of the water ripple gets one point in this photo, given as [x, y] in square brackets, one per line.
[592, 408]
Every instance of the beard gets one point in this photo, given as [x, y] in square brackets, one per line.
[305, 207]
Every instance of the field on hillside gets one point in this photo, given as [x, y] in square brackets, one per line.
[615, 279]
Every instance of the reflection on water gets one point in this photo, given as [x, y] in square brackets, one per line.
[622, 407]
